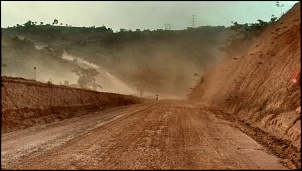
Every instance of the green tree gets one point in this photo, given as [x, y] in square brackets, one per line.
[243, 36]
[280, 6]
[28, 24]
[86, 77]
[122, 30]
[273, 18]
[55, 21]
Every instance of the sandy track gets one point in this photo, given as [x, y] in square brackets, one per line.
[162, 134]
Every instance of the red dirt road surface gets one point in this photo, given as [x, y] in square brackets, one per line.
[163, 134]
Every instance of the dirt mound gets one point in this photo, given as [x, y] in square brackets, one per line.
[26, 103]
[259, 86]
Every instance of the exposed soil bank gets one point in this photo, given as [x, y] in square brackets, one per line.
[27, 102]
[257, 86]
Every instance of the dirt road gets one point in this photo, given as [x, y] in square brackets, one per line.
[162, 134]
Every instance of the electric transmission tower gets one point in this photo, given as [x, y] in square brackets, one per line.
[167, 26]
[193, 21]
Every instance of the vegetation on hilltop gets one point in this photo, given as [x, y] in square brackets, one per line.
[170, 54]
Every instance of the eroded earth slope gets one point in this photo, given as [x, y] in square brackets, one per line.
[262, 86]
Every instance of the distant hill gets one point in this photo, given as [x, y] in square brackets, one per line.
[156, 62]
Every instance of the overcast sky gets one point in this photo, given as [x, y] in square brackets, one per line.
[140, 14]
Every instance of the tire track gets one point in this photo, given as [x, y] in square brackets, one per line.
[164, 134]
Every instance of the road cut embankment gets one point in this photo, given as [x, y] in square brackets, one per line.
[25, 103]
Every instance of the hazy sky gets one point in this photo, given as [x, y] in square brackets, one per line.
[140, 14]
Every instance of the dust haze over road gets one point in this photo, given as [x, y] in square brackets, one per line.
[109, 82]
[163, 134]
[241, 114]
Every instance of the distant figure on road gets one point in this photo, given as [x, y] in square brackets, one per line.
[156, 97]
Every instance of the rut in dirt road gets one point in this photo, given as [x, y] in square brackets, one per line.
[162, 134]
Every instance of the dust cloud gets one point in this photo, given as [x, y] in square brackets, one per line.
[170, 67]
[108, 82]
[47, 68]
[167, 65]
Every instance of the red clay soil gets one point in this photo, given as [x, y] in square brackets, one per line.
[159, 134]
[258, 86]
[243, 114]
[25, 103]
[289, 154]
